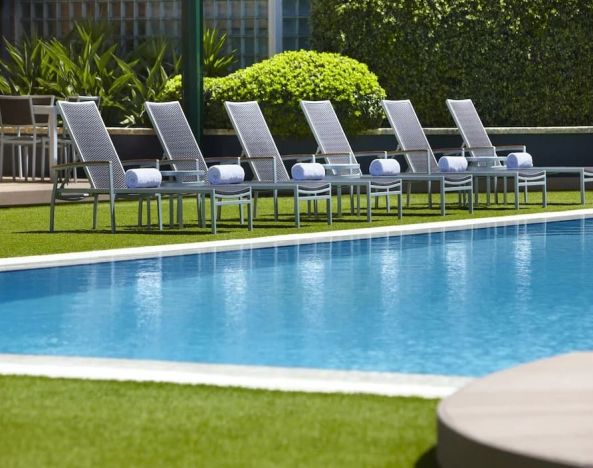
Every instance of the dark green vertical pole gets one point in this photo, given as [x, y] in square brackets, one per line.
[191, 47]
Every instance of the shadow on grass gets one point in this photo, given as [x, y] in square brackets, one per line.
[428, 459]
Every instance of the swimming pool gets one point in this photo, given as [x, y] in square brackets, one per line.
[454, 303]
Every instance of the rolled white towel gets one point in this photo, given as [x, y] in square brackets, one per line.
[144, 177]
[453, 164]
[307, 171]
[519, 160]
[384, 167]
[226, 174]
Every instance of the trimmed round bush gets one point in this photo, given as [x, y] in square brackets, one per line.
[281, 82]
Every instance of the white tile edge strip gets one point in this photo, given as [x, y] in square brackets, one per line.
[250, 377]
[97, 256]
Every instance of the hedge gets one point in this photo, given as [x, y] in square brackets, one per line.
[281, 82]
[523, 62]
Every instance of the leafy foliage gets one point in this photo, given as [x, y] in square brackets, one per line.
[281, 82]
[87, 62]
[522, 62]
[216, 62]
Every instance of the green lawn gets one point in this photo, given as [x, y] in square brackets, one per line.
[62, 423]
[24, 231]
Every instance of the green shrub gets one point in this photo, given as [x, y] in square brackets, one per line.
[523, 62]
[281, 82]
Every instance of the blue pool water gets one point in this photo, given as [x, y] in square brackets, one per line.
[457, 303]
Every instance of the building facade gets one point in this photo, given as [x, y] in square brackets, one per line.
[256, 29]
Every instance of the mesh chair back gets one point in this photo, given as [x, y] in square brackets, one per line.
[410, 135]
[92, 142]
[470, 126]
[256, 140]
[42, 100]
[16, 111]
[175, 135]
[328, 131]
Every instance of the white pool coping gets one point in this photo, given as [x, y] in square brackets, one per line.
[135, 253]
[254, 377]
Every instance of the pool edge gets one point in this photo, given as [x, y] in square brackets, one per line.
[136, 253]
[250, 377]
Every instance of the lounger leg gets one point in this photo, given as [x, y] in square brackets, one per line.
[328, 207]
[409, 194]
[442, 198]
[505, 188]
[255, 197]
[399, 205]
[517, 192]
[159, 206]
[203, 210]
[471, 202]
[358, 200]
[315, 208]
[377, 202]
[308, 207]
[140, 206]
[250, 213]
[171, 211]
[352, 200]
[96, 208]
[544, 195]
[275, 193]
[112, 212]
[525, 194]
[297, 214]
[488, 191]
[387, 202]
[241, 218]
[430, 194]
[339, 196]
[198, 211]
[369, 203]
[582, 183]
[148, 214]
[213, 211]
[180, 211]
[52, 206]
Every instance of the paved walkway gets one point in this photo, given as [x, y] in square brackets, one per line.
[27, 193]
[535, 415]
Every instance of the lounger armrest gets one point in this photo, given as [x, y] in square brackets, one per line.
[63, 167]
[404, 152]
[142, 163]
[300, 157]
[217, 159]
[380, 153]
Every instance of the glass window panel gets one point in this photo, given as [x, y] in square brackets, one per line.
[304, 8]
[289, 43]
[289, 27]
[304, 27]
[289, 8]
[38, 10]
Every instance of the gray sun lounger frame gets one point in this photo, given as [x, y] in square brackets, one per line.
[106, 174]
[183, 154]
[414, 146]
[260, 150]
[482, 152]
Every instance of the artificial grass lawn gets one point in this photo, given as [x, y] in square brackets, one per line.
[24, 230]
[55, 422]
